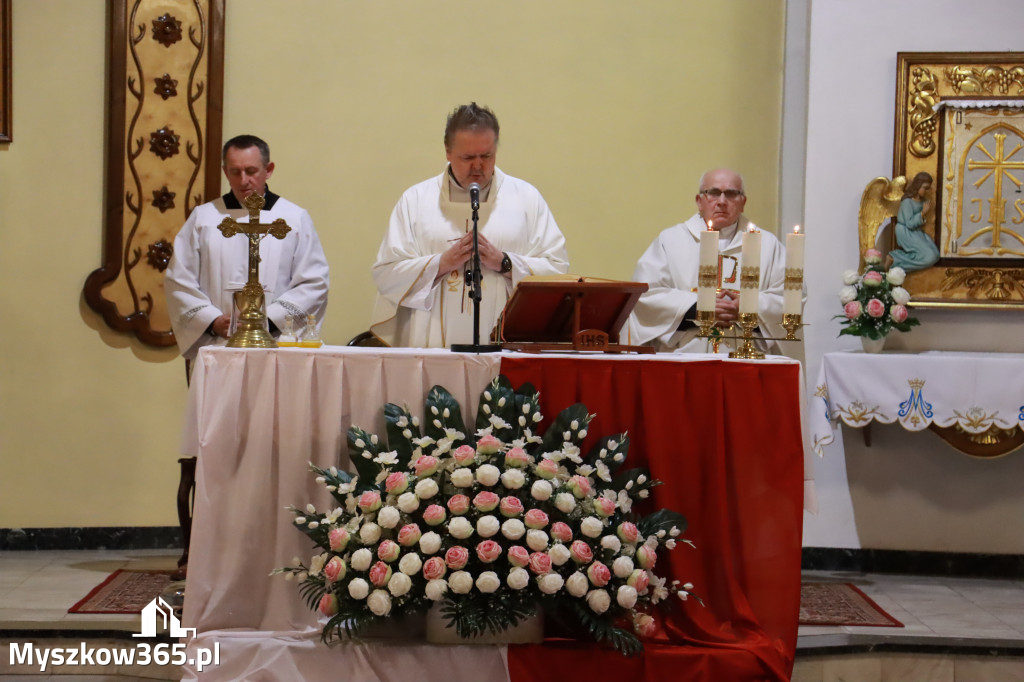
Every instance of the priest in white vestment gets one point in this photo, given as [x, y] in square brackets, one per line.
[423, 298]
[207, 267]
[665, 315]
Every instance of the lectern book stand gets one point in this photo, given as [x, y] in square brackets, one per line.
[568, 313]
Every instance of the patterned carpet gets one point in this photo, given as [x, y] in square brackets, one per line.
[841, 604]
[123, 592]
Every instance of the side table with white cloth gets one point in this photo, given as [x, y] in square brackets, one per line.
[975, 401]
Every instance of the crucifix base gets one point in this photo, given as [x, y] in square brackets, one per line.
[251, 331]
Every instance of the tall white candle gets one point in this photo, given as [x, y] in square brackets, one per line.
[750, 257]
[708, 263]
[792, 294]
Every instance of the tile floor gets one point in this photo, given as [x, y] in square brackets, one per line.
[955, 629]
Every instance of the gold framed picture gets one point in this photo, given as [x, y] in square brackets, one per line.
[960, 120]
[5, 71]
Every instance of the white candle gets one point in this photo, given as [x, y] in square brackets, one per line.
[706, 293]
[792, 294]
[750, 261]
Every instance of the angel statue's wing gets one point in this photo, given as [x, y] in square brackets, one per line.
[879, 202]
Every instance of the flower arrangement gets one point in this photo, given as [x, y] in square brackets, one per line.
[874, 303]
[490, 525]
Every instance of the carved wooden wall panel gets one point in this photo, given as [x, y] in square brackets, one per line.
[165, 80]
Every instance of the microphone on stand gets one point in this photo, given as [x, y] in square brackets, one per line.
[474, 196]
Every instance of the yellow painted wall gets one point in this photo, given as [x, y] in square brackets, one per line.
[611, 109]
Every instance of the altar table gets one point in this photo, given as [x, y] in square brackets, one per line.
[723, 435]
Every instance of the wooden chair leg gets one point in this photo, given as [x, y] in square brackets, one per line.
[186, 495]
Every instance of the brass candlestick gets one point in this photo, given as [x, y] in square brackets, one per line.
[748, 321]
[706, 321]
[251, 331]
[791, 322]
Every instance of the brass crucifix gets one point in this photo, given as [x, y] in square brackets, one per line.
[251, 332]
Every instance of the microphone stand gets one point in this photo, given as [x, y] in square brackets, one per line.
[475, 293]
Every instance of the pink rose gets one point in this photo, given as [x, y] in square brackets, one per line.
[561, 532]
[599, 574]
[434, 515]
[380, 574]
[518, 556]
[369, 501]
[644, 625]
[876, 308]
[338, 539]
[396, 483]
[511, 506]
[458, 504]
[535, 518]
[873, 279]
[853, 309]
[628, 532]
[388, 550]
[488, 551]
[464, 454]
[638, 579]
[646, 556]
[604, 507]
[898, 312]
[328, 604]
[540, 563]
[434, 568]
[581, 552]
[872, 256]
[426, 465]
[488, 445]
[579, 486]
[547, 469]
[486, 501]
[517, 458]
[456, 557]
[335, 569]
[409, 535]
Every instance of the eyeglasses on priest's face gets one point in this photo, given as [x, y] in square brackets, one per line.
[715, 193]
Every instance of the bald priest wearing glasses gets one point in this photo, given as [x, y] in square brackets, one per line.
[664, 316]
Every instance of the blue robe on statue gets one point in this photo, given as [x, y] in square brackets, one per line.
[917, 250]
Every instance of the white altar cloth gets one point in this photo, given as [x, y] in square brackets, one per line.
[972, 390]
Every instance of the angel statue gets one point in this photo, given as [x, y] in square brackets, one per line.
[880, 202]
[917, 250]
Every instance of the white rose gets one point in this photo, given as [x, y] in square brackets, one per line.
[513, 479]
[565, 502]
[488, 474]
[369, 533]
[851, 277]
[518, 578]
[541, 490]
[598, 601]
[513, 529]
[460, 527]
[436, 589]
[361, 559]
[379, 602]
[611, 542]
[358, 588]
[895, 276]
[549, 583]
[622, 567]
[388, 517]
[408, 502]
[400, 584]
[461, 582]
[900, 295]
[626, 596]
[847, 294]
[591, 526]
[462, 478]
[537, 540]
[316, 564]
[426, 488]
[488, 582]
[559, 554]
[430, 543]
[410, 564]
[577, 584]
[487, 526]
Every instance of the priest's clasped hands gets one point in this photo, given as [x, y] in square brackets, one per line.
[461, 251]
[727, 308]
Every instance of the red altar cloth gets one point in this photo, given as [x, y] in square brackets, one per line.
[725, 438]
